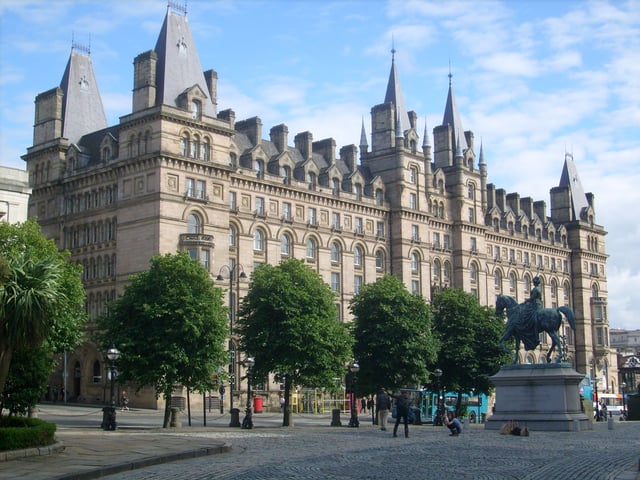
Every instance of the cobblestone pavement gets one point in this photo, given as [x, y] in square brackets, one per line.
[429, 453]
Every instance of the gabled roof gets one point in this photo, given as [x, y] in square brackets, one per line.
[82, 110]
[178, 65]
[570, 179]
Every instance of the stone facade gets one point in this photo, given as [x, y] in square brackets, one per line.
[176, 174]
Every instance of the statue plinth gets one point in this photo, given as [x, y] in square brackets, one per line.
[544, 397]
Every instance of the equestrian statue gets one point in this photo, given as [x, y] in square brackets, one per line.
[526, 320]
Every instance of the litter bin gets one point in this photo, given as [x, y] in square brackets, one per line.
[235, 417]
[257, 404]
[335, 418]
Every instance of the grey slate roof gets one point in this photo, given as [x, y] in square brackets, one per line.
[570, 178]
[82, 110]
[175, 47]
[452, 117]
[394, 95]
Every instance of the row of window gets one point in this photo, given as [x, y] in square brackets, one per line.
[96, 198]
[96, 268]
[96, 232]
[194, 146]
[96, 302]
[517, 256]
[527, 230]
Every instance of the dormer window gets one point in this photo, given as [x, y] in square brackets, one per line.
[196, 109]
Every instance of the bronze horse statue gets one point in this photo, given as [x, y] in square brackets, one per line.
[543, 320]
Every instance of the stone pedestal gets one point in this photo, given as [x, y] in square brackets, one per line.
[543, 397]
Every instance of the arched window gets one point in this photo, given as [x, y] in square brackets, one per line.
[413, 175]
[311, 249]
[233, 237]
[285, 171]
[335, 186]
[497, 281]
[512, 283]
[471, 192]
[258, 240]
[259, 168]
[554, 290]
[437, 270]
[97, 372]
[357, 190]
[205, 150]
[358, 256]
[473, 273]
[184, 145]
[194, 223]
[335, 252]
[285, 245]
[415, 263]
[196, 109]
[527, 285]
[379, 260]
[311, 180]
[447, 272]
[195, 147]
[379, 196]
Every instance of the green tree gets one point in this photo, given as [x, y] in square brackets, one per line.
[469, 335]
[27, 379]
[170, 326]
[394, 343]
[287, 322]
[41, 294]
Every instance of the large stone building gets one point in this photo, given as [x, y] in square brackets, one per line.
[177, 174]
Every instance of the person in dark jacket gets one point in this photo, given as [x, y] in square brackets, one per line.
[402, 412]
[383, 405]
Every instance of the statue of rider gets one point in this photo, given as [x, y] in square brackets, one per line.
[529, 310]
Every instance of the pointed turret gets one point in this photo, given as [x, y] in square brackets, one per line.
[178, 64]
[483, 179]
[364, 146]
[82, 110]
[452, 117]
[569, 179]
[394, 95]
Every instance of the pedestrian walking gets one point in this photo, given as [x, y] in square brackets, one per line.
[363, 405]
[124, 400]
[402, 412]
[383, 405]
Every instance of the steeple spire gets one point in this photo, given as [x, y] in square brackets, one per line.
[394, 95]
[363, 136]
[425, 136]
[452, 117]
[82, 109]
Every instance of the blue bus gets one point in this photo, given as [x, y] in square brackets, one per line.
[426, 403]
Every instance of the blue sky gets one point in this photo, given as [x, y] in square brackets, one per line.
[533, 79]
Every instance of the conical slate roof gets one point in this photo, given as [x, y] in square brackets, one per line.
[394, 95]
[178, 65]
[452, 117]
[82, 110]
[570, 178]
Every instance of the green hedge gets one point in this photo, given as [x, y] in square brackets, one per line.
[21, 432]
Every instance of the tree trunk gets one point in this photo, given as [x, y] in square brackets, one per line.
[167, 408]
[286, 418]
[5, 362]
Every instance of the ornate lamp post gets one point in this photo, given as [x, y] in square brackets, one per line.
[623, 388]
[437, 419]
[354, 368]
[248, 418]
[109, 413]
[235, 422]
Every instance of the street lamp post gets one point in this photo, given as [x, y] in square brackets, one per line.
[623, 387]
[247, 423]
[355, 368]
[437, 419]
[235, 422]
[109, 413]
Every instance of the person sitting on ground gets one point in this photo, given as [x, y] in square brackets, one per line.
[452, 423]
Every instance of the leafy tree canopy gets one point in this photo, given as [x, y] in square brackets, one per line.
[469, 334]
[41, 294]
[287, 322]
[170, 326]
[394, 343]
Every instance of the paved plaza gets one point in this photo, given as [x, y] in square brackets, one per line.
[312, 449]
